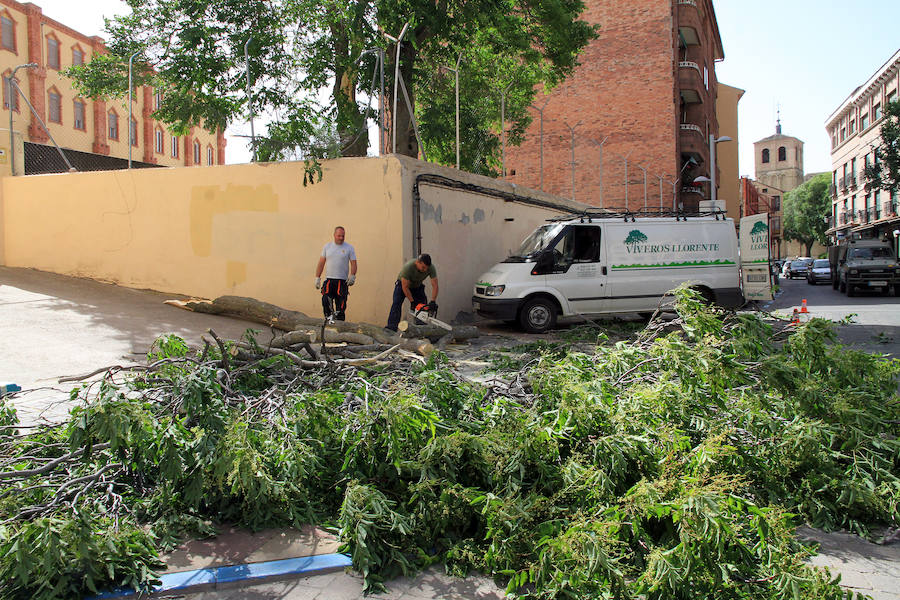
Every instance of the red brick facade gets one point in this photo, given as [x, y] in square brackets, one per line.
[646, 86]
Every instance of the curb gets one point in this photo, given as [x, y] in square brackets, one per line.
[248, 574]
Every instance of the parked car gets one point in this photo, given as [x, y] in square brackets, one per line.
[819, 270]
[799, 267]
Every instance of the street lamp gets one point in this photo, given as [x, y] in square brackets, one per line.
[713, 140]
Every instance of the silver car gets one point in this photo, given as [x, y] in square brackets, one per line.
[819, 270]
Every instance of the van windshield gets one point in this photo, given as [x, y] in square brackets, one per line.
[538, 240]
[875, 252]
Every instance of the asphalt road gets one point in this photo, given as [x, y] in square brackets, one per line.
[873, 320]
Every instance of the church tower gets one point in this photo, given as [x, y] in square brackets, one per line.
[779, 160]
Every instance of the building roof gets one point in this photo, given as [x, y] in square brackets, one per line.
[778, 136]
[886, 71]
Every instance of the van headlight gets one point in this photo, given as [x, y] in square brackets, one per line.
[494, 290]
[854, 272]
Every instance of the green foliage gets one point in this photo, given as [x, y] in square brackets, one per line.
[884, 171]
[806, 211]
[674, 466]
[194, 52]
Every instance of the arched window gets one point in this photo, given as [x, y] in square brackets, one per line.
[54, 105]
[782, 153]
[765, 155]
[196, 152]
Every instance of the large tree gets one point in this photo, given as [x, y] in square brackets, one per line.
[299, 49]
[884, 172]
[806, 210]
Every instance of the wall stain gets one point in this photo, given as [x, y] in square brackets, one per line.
[478, 217]
[430, 213]
[209, 201]
[464, 219]
[235, 273]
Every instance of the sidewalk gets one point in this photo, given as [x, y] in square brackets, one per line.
[51, 325]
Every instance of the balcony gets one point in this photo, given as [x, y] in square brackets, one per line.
[889, 209]
[689, 64]
[687, 3]
[843, 218]
[832, 189]
[860, 216]
[691, 127]
[851, 182]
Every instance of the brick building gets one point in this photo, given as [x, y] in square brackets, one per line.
[854, 128]
[642, 105]
[84, 125]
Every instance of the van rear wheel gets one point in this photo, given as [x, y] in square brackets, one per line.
[538, 315]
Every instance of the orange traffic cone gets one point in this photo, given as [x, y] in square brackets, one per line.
[803, 306]
[795, 318]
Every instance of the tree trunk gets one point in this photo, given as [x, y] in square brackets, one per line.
[276, 317]
[406, 135]
[353, 136]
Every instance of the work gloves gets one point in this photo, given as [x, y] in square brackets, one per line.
[318, 282]
[351, 280]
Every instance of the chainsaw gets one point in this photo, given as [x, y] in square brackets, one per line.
[426, 314]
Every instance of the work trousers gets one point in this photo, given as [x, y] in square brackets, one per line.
[334, 298]
[418, 294]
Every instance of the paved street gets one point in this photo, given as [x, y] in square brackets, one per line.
[52, 325]
[875, 325]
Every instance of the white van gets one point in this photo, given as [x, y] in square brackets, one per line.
[594, 265]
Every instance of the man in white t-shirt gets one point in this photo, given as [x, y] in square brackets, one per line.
[339, 263]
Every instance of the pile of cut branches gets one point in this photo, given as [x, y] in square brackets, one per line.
[676, 466]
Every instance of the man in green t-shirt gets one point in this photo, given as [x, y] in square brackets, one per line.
[410, 287]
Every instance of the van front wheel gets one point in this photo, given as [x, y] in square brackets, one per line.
[538, 315]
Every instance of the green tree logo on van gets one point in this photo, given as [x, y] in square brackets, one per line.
[635, 237]
[759, 227]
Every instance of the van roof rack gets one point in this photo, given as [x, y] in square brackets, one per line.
[627, 216]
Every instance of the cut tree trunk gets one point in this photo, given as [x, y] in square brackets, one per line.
[250, 309]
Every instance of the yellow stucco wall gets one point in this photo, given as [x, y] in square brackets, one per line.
[250, 230]
[255, 230]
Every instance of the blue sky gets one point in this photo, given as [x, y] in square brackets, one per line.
[806, 55]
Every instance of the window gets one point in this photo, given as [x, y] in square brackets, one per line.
[209, 156]
[578, 244]
[78, 105]
[6, 93]
[892, 97]
[196, 152]
[7, 33]
[782, 154]
[877, 112]
[159, 141]
[174, 146]
[776, 202]
[706, 76]
[54, 102]
[833, 140]
[53, 52]
[765, 155]
[133, 131]
[843, 133]
[852, 126]
[77, 57]
[157, 100]
[113, 121]
[864, 121]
